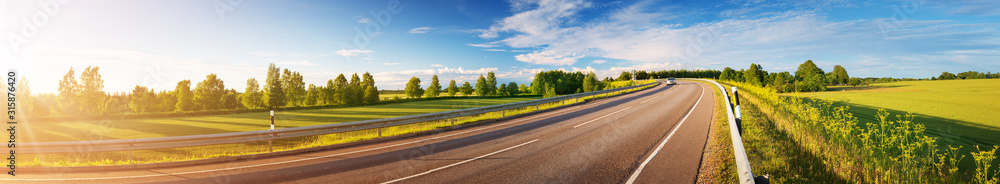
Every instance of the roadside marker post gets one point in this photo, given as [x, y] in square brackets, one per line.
[270, 147]
[736, 109]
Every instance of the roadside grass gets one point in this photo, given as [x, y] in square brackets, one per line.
[806, 140]
[958, 112]
[300, 118]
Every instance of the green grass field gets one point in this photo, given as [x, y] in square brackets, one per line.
[177, 126]
[961, 112]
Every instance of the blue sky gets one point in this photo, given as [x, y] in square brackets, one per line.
[157, 43]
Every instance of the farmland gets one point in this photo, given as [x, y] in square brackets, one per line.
[960, 112]
[177, 126]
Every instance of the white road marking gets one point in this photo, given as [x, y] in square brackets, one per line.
[657, 96]
[462, 162]
[643, 165]
[581, 124]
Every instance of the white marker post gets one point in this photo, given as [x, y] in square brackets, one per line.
[739, 116]
[270, 147]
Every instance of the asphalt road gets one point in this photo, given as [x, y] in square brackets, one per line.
[652, 136]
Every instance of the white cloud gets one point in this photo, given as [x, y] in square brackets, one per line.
[298, 63]
[495, 50]
[364, 20]
[549, 57]
[483, 45]
[600, 61]
[263, 53]
[424, 29]
[353, 52]
[437, 65]
[390, 64]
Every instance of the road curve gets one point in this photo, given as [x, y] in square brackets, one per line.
[652, 136]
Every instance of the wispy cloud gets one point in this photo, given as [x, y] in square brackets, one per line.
[263, 53]
[421, 29]
[483, 45]
[437, 65]
[298, 63]
[390, 64]
[495, 50]
[364, 20]
[599, 61]
[353, 52]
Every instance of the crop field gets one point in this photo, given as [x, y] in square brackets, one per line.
[194, 125]
[959, 112]
[798, 139]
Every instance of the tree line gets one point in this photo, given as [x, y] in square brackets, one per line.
[808, 77]
[282, 88]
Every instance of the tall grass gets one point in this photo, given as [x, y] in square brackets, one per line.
[894, 149]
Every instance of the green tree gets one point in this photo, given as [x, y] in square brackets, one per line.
[727, 74]
[783, 82]
[295, 89]
[340, 92]
[524, 89]
[371, 95]
[355, 90]
[434, 89]
[92, 90]
[466, 89]
[752, 75]
[274, 93]
[231, 100]
[502, 90]
[550, 91]
[413, 89]
[208, 94]
[452, 88]
[312, 95]
[69, 91]
[481, 87]
[491, 83]
[840, 74]
[328, 92]
[185, 98]
[590, 82]
[854, 81]
[251, 97]
[141, 99]
[625, 76]
[512, 89]
[368, 81]
[947, 76]
[166, 101]
[807, 69]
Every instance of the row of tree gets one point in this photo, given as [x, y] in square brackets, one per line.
[485, 86]
[967, 75]
[808, 77]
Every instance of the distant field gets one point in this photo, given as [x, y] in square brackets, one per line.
[961, 112]
[163, 127]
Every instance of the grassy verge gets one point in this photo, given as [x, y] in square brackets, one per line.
[796, 140]
[304, 118]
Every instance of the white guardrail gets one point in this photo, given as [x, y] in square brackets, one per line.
[266, 135]
[742, 163]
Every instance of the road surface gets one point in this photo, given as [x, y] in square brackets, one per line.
[652, 136]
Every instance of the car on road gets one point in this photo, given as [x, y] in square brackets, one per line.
[671, 81]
